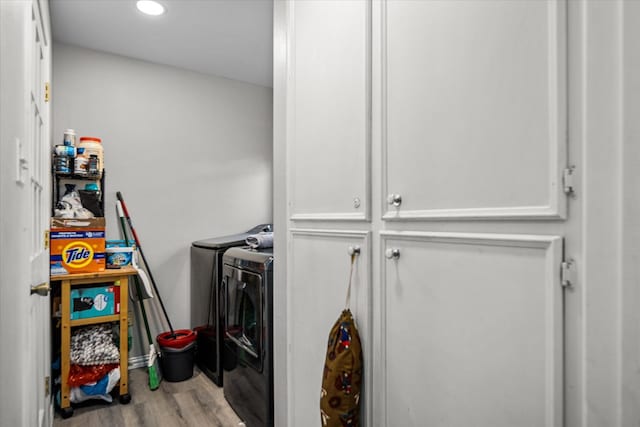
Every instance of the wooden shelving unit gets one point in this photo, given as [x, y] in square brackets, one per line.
[66, 282]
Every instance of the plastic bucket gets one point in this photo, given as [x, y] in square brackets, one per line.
[177, 363]
[177, 354]
[182, 338]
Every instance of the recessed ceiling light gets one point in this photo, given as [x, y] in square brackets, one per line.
[150, 7]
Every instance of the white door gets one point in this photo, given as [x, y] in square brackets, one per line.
[473, 330]
[330, 91]
[38, 185]
[24, 209]
[320, 264]
[475, 109]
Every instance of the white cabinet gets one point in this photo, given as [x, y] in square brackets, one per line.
[329, 91]
[469, 129]
[474, 108]
[320, 265]
[472, 330]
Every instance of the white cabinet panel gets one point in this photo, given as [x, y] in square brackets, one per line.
[318, 277]
[474, 108]
[472, 330]
[330, 104]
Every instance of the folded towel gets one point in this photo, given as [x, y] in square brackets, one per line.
[260, 240]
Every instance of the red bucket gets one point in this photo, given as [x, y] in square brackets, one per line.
[179, 339]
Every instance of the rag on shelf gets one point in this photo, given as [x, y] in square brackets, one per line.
[261, 240]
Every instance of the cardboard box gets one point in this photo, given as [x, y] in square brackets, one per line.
[77, 246]
[95, 301]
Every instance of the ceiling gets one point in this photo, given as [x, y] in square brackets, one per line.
[228, 38]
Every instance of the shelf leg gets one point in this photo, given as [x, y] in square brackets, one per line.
[66, 343]
[124, 331]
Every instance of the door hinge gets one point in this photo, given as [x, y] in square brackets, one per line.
[46, 239]
[47, 92]
[47, 386]
[567, 180]
[568, 273]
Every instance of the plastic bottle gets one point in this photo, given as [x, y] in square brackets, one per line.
[93, 146]
[80, 162]
[69, 138]
[93, 168]
[65, 150]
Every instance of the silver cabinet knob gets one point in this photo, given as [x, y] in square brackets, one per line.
[354, 250]
[394, 199]
[392, 253]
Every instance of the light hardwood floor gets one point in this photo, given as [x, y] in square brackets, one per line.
[193, 403]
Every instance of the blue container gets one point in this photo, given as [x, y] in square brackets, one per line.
[118, 254]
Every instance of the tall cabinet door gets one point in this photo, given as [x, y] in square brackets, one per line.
[474, 109]
[329, 92]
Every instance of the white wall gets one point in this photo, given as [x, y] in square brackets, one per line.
[191, 153]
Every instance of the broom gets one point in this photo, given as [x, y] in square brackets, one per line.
[152, 363]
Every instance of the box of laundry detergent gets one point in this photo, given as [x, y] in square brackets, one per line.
[77, 246]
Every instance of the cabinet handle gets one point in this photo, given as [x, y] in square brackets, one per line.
[354, 250]
[394, 200]
[392, 253]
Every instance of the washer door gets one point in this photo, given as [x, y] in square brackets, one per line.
[244, 313]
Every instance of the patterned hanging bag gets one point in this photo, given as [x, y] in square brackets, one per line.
[342, 377]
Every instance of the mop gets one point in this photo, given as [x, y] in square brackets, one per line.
[152, 362]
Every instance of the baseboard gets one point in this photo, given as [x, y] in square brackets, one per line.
[138, 362]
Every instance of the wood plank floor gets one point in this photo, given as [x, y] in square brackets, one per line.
[192, 403]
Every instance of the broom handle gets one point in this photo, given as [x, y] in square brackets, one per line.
[144, 259]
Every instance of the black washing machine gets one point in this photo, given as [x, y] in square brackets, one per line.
[206, 317]
[247, 287]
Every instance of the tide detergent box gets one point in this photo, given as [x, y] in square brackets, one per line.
[95, 301]
[77, 246]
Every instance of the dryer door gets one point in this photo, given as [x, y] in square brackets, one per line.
[244, 313]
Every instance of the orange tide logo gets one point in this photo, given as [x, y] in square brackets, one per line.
[77, 254]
